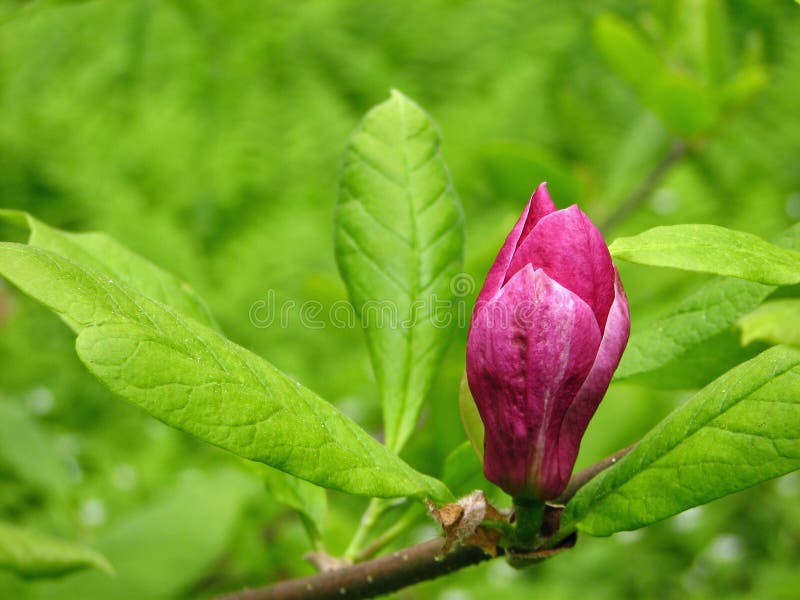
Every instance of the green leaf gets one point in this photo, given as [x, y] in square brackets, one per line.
[104, 255]
[190, 377]
[463, 471]
[775, 322]
[627, 52]
[32, 554]
[743, 86]
[703, 38]
[735, 433]
[512, 166]
[162, 549]
[711, 249]
[470, 417]
[309, 500]
[27, 451]
[695, 342]
[399, 244]
[684, 105]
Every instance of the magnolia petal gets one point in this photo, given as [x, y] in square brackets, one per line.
[541, 205]
[563, 453]
[571, 250]
[530, 349]
[538, 206]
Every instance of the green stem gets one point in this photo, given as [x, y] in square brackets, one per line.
[371, 514]
[411, 515]
[313, 533]
[528, 516]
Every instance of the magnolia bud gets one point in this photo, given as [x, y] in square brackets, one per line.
[547, 333]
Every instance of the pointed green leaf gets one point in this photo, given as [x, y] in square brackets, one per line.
[711, 249]
[105, 255]
[626, 51]
[737, 432]
[683, 104]
[695, 341]
[744, 85]
[775, 322]
[703, 38]
[679, 99]
[192, 378]
[470, 417]
[463, 471]
[309, 500]
[399, 239]
[31, 554]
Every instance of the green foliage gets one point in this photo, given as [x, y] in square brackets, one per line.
[470, 418]
[27, 450]
[775, 322]
[162, 548]
[207, 137]
[192, 378]
[694, 341]
[399, 244]
[35, 555]
[306, 498]
[711, 446]
[627, 51]
[694, 85]
[711, 249]
[104, 255]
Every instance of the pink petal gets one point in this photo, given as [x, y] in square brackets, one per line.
[618, 326]
[538, 206]
[541, 205]
[528, 353]
[571, 250]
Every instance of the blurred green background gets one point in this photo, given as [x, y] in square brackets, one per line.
[207, 137]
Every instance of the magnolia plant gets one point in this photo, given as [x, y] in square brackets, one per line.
[546, 337]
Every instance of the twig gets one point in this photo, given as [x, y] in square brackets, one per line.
[379, 543]
[371, 514]
[372, 578]
[581, 478]
[402, 568]
[679, 150]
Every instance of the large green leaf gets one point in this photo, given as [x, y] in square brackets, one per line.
[189, 376]
[32, 554]
[696, 341]
[399, 239]
[737, 432]
[105, 255]
[775, 322]
[711, 249]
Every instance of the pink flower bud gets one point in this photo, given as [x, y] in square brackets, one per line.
[547, 333]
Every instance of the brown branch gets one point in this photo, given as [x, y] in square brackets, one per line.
[679, 150]
[405, 567]
[371, 578]
[581, 478]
